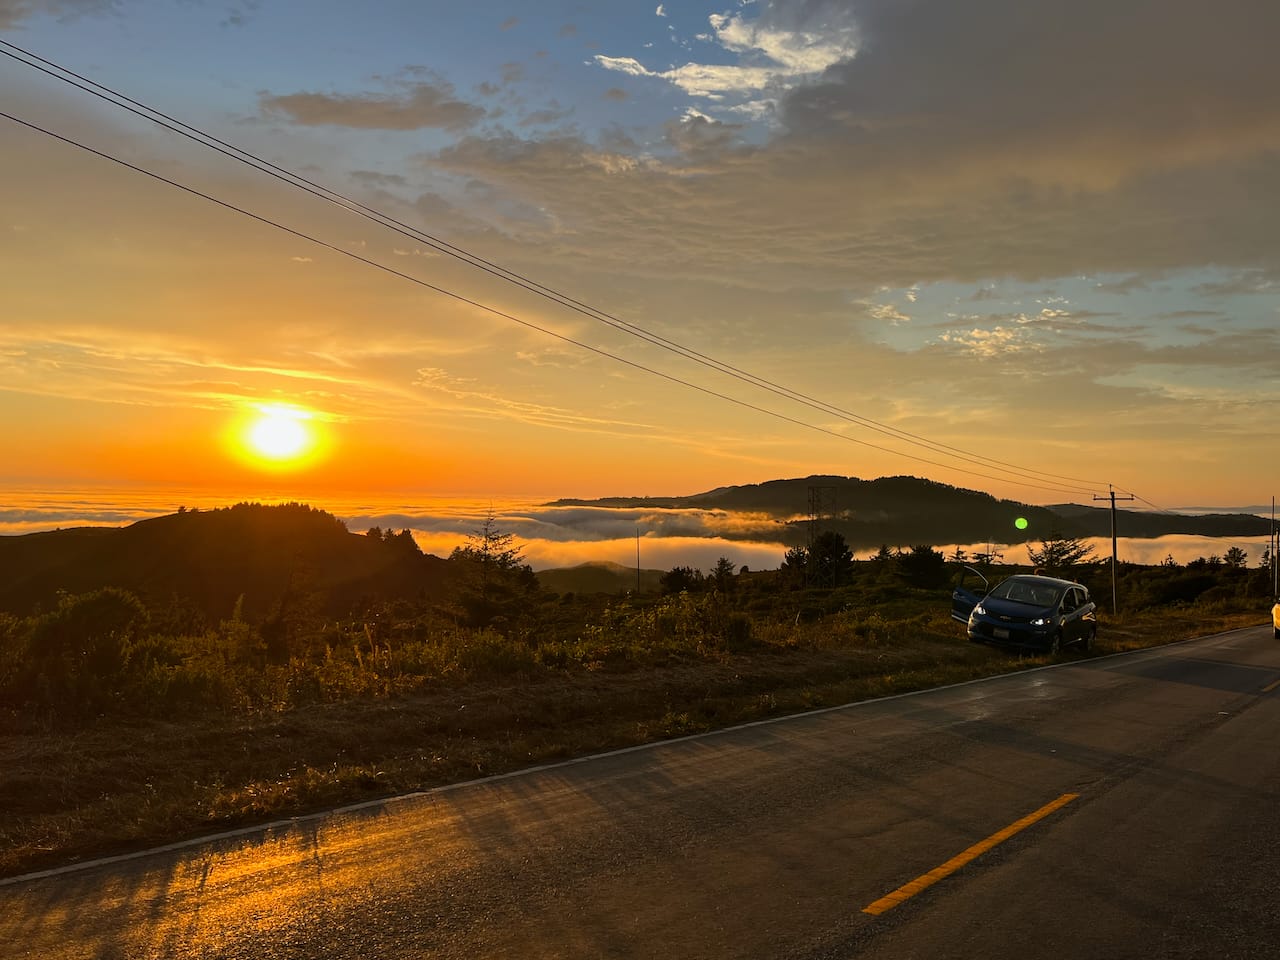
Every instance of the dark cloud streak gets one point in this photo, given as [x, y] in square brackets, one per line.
[14, 12]
[422, 105]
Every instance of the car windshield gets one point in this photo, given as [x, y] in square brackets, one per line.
[1028, 591]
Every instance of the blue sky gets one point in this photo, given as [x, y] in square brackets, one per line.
[1037, 233]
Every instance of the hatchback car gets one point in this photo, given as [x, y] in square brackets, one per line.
[1275, 618]
[1028, 612]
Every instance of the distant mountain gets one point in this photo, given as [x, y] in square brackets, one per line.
[291, 552]
[213, 558]
[597, 578]
[1096, 521]
[907, 510]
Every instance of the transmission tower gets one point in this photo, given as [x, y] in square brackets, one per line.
[822, 508]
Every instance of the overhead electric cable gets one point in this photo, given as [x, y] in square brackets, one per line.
[353, 206]
[70, 141]
[1155, 507]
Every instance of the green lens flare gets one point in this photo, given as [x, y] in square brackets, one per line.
[1021, 523]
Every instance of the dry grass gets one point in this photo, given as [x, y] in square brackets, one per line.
[128, 785]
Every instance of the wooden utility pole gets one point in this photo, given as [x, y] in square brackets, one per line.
[1114, 602]
[1275, 562]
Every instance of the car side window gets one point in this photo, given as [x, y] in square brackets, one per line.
[1074, 600]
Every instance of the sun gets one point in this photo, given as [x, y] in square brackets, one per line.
[280, 436]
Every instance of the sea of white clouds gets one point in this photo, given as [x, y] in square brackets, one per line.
[559, 536]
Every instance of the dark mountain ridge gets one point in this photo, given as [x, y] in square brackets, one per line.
[909, 510]
[261, 557]
[1134, 523]
[598, 577]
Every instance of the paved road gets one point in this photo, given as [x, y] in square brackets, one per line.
[771, 841]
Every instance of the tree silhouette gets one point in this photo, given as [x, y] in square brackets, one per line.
[722, 574]
[1058, 551]
[794, 565]
[496, 579]
[830, 561]
[923, 566]
[681, 580]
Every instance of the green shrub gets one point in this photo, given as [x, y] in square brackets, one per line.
[490, 654]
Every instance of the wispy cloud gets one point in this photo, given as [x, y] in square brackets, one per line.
[470, 400]
[161, 371]
[13, 12]
[993, 342]
[1247, 282]
[888, 313]
[772, 57]
[419, 106]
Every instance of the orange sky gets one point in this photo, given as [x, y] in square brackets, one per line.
[1037, 282]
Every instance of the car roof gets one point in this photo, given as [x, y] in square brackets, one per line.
[1047, 581]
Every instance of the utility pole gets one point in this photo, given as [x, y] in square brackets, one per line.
[1114, 603]
[1275, 561]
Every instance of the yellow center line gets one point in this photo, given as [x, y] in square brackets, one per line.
[924, 882]
[1271, 686]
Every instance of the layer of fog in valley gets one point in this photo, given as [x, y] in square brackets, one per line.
[561, 536]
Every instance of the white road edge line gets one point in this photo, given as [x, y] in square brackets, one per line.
[266, 828]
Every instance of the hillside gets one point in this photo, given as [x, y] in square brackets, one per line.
[1096, 522]
[269, 554]
[588, 578]
[909, 510]
[214, 558]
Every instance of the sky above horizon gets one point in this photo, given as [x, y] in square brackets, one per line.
[1037, 236]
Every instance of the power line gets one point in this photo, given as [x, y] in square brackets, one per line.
[1017, 474]
[354, 206]
[1155, 507]
[507, 316]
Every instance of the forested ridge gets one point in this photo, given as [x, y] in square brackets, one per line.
[909, 510]
[249, 554]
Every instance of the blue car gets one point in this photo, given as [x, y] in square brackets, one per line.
[1028, 612]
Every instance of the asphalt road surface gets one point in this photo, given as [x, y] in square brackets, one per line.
[1121, 807]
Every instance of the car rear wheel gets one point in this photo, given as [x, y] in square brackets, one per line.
[1086, 642]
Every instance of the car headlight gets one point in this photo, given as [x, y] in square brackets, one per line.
[979, 610]
[1041, 622]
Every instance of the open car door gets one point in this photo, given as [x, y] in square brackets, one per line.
[971, 586]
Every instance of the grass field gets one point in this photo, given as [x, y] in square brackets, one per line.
[117, 785]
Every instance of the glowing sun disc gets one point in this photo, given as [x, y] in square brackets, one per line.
[279, 434]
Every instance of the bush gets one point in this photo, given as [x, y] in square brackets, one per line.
[103, 653]
[490, 654]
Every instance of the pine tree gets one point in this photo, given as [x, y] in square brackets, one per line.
[497, 578]
[1058, 551]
